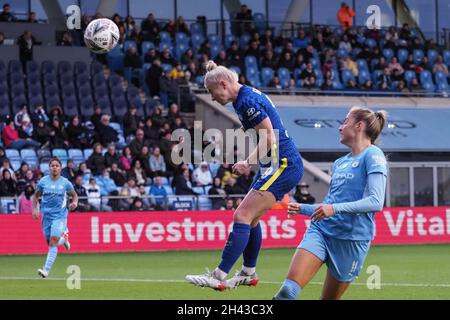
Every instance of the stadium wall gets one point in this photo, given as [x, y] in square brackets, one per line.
[201, 230]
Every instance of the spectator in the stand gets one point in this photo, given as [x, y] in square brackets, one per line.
[202, 175]
[157, 190]
[60, 130]
[345, 16]
[26, 43]
[69, 171]
[130, 121]
[105, 133]
[94, 194]
[2, 38]
[385, 80]
[8, 186]
[244, 18]
[22, 115]
[275, 83]
[39, 113]
[168, 87]
[231, 188]
[183, 185]
[327, 84]
[217, 194]
[153, 77]
[166, 57]
[302, 40]
[138, 173]
[244, 181]
[106, 183]
[144, 158]
[182, 25]
[26, 130]
[367, 85]
[307, 53]
[347, 63]
[440, 66]
[424, 65]
[129, 24]
[286, 61]
[11, 140]
[83, 205]
[396, 69]
[150, 56]
[128, 191]
[138, 142]
[111, 156]
[133, 60]
[233, 51]
[188, 57]
[269, 61]
[6, 165]
[414, 85]
[25, 202]
[136, 35]
[126, 159]
[345, 43]
[401, 87]
[75, 133]
[318, 42]
[150, 132]
[27, 180]
[267, 37]
[96, 161]
[409, 64]
[137, 205]
[84, 171]
[229, 204]
[254, 50]
[150, 28]
[405, 32]
[299, 62]
[41, 133]
[381, 65]
[391, 44]
[177, 71]
[173, 113]
[308, 76]
[221, 59]
[95, 118]
[66, 40]
[117, 175]
[157, 162]
[171, 27]
[157, 117]
[6, 15]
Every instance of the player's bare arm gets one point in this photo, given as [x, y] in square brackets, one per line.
[74, 203]
[35, 204]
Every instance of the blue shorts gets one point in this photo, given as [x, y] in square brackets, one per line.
[344, 258]
[279, 181]
[53, 227]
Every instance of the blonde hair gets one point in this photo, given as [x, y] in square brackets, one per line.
[374, 121]
[215, 73]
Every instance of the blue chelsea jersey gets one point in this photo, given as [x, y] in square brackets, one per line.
[54, 197]
[252, 107]
[348, 184]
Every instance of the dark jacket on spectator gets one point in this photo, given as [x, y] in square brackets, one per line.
[96, 162]
[182, 187]
[106, 134]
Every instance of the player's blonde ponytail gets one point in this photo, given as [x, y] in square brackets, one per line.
[215, 73]
[374, 121]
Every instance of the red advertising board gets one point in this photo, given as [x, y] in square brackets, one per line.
[197, 230]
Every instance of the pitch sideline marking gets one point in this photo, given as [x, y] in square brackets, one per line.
[387, 284]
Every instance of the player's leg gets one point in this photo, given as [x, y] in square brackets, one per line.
[333, 289]
[56, 232]
[252, 207]
[344, 265]
[303, 268]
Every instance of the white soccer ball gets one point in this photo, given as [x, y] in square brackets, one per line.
[101, 35]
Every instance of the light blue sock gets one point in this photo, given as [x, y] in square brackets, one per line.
[288, 291]
[51, 257]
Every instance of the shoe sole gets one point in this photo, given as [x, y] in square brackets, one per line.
[43, 276]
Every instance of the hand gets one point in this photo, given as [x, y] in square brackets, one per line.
[73, 205]
[322, 212]
[240, 167]
[35, 214]
[293, 209]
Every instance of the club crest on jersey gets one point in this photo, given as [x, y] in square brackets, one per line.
[355, 164]
[250, 111]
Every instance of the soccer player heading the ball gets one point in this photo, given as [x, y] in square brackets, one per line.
[281, 168]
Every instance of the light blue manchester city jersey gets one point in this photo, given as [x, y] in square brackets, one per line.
[54, 197]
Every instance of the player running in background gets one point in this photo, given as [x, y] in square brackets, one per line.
[342, 226]
[54, 189]
[255, 110]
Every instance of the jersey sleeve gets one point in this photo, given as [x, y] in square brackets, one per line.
[376, 162]
[254, 111]
[69, 186]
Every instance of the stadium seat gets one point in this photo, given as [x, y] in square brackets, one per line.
[48, 67]
[341, 53]
[35, 101]
[15, 165]
[346, 76]
[388, 54]
[432, 55]
[64, 67]
[87, 153]
[117, 93]
[164, 37]
[147, 45]
[120, 106]
[215, 50]
[15, 66]
[196, 41]
[128, 44]
[443, 86]
[181, 38]
[418, 55]
[70, 106]
[446, 57]
[371, 43]
[66, 79]
[96, 67]
[50, 79]
[402, 55]
[204, 203]
[17, 102]
[44, 155]
[84, 91]
[80, 67]
[166, 67]
[409, 75]
[67, 91]
[259, 20]
[30, 157]
[180, 49]
[32, 67]
[362, 65]
[363, 76]
[44, 168]
[236, 69]
[244, 40]
[15, 79]
[229, 38]
[98, 80]
[52, 102]
[213, 38]
[267, 75]
[33, 78]
[86, 107]
[105, 105]
[425, 76]
[196, 28]
[13, 155]
[251, 62]
[284, 75]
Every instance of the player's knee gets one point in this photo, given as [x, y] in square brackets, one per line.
[243, 216]
[53, 242]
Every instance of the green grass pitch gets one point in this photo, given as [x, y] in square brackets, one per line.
[407, 272]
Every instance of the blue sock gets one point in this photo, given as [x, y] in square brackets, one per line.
[236, 243]
[288, 291]
[252, 249]
[51, 257]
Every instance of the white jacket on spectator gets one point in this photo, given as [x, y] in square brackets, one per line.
[94, 193]
[202, 175]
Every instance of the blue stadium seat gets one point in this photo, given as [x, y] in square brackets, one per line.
[33, 78]
[443, 86]
[4, 90]
[196, 28]
[87, 153]
[105, 104]
[120, 106]
[96, 67]
[165, 37]
[15, 79]
[180, 49]
[44, 168]
[166, 45]
[446, 57]
[117, 93]
[213, 38]
[64, 67]
[428, 86]
[114, 80]
[244, 40]
[251, 62]
[181, 38]
[425, 76]
[342, 53]
[48, 67]
[388, 54]
[432, 55]
[215, 50]
[70, 106]
[44, 155]
[98, 81]
[346, 76]
[115, 59]
[362, 65]
[363, 76]
[80, 67]
[50, 79]
[147, 45]
[35, 101]
[84, 91]
[15, 165]
[67, 91]
[402, 55]
[259, 20]
[375, 75]
[15, 66]
[129, 43]
[51, 91]
[229, 38]
[65, 80]
[52, 102]
[267, 75]
[197, 40]
[13, 155]
[17, 102]
[409, 75]
[76, 155]
[32, 67]
[417, 55]
[204, 203]
[284, 75]
[29, 156]
[86, 107]
[371, 43]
